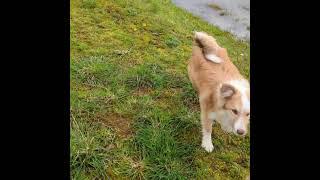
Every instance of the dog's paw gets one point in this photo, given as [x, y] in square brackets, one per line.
[207, 145]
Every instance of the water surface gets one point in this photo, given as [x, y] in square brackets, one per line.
[229, 15]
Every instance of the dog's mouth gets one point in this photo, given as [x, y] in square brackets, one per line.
[233, 131]
[228, 128]
[239, 133]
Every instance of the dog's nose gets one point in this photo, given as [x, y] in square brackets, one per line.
[240, 131]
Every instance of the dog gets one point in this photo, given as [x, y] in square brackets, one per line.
[224, 94]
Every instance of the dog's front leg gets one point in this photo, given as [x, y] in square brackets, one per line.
[206, 123]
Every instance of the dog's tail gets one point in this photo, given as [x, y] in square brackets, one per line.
[208, 45]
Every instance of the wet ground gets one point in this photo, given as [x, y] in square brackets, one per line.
[229, 15]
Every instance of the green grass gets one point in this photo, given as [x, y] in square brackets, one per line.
[134, 114]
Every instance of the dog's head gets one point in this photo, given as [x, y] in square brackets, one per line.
[235, 106]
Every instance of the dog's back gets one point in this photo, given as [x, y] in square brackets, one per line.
[209, 64]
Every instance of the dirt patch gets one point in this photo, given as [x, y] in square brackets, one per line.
[142, 91]
[121, 125]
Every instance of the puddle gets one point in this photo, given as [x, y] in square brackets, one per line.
[229, 15]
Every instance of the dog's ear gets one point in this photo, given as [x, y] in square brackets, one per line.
[227, 90]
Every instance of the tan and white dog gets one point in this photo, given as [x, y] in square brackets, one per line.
[224, 94]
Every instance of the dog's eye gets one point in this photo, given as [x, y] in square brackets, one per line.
[235, 111]
[248, 114]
